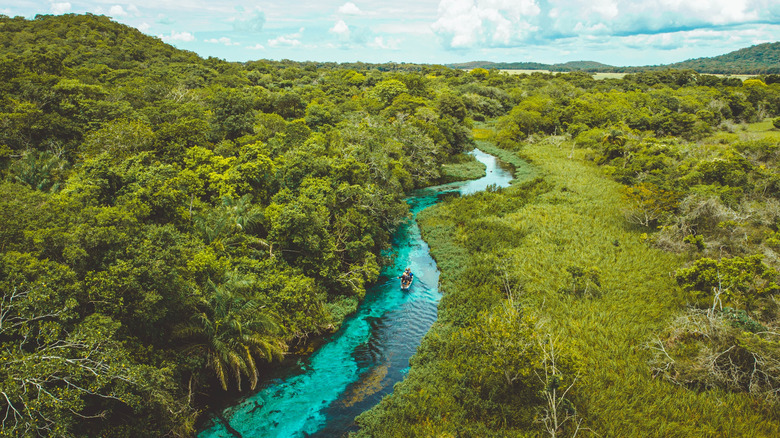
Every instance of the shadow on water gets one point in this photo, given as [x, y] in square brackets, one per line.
[322, 394]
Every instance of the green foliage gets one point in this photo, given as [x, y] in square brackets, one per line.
[387, 90]
[650, 204]
[486, 379]
[585, 282]
[740, 319]
[233, 330]
[740, 281]
[461, 167]
[241, 207]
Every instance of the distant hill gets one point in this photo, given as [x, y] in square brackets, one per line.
[759, 59]
[568, 66]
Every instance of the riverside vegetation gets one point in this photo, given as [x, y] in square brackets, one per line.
[625, 286]
[171, 224]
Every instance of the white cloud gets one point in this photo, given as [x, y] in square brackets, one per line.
[627, 17]
[350, 8]
[178, 36]
[60, 8]
[223, 40]
[340, 28]
[283, 41]
[483, 24]
[606, 9]
[289, 40]
[470, 23]
[257, 46]
[143, 27]
[117, 11]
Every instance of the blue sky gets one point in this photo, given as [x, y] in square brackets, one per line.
[615, 32]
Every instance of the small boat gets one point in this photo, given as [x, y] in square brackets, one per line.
[406, 284]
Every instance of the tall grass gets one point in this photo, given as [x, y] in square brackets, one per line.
[580, 221]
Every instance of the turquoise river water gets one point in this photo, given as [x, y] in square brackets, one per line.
[355, 367]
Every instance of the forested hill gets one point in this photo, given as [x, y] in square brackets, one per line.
[171, 224]
[759, 59]
[50, 43]
[564, 67]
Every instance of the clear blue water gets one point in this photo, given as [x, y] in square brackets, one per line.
[360, 363]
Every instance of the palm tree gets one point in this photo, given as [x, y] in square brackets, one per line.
[233, 332]
[615, 137]
[231, 223]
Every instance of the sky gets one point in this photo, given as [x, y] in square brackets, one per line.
[614, 32]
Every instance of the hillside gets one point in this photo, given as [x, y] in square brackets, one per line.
[565, 67]
[72, 40]
[759, 59]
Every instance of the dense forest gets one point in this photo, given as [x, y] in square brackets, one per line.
[172, 224]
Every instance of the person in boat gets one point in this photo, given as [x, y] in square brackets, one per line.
[406, 277]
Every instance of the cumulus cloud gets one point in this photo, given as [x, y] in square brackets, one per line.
[143, 27]
[178, 36]
[60, 8]
[223, 40]
[494, 23]
[350, 8]
[631, 17]
[340, 28]
[465, 24]
[253, 23]
[257, 46]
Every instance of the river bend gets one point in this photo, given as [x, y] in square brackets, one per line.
[358, 365]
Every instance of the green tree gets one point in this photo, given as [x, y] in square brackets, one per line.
[387, 90]
[233, 114]
[232, 330]
[742, 282]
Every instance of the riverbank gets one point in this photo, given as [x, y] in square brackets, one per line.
[558, 249]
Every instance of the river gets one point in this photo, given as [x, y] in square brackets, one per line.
[358, 365]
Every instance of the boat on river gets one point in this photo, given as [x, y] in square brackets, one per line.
[406, 284]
